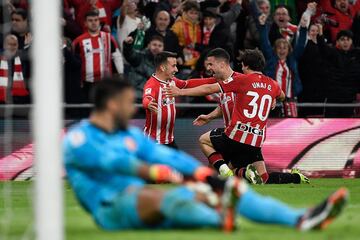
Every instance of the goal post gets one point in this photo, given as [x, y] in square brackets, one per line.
[47, 118]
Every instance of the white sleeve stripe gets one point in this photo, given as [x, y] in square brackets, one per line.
[221, 89]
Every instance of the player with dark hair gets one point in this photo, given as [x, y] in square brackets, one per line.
[218, 62]
[224, 109]
[240, 143]
[160, 109]
[108, 163]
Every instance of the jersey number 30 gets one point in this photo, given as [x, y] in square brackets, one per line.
[258, 109]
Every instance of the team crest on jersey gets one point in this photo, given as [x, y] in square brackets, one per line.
[230, 79]
[130, 144]
[77, 138]
[147, 91]
[225, 100]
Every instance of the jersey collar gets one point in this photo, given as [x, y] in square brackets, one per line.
[153, 75]
[229, 79]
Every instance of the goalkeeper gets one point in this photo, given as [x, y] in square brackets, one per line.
[108, 164]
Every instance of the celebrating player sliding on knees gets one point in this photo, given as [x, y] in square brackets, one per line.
[243, 137]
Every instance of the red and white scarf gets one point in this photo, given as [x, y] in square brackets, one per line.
[191, 39]
[18, 86]
[289, 32]
[206, 34]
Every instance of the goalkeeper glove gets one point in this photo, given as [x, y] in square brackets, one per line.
[202, 173]
[164, 174]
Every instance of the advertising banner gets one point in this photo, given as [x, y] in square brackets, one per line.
[318, 147]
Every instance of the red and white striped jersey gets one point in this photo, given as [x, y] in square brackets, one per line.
[225, 100]
[254, 95]
[95, 53]
[284, 77]
[160, 125]
[226, 104]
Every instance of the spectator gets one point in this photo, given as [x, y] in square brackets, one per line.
[342, 69]
[281, 62]
[173, 7]
[81, 7]
[24, 4]
[128, 20]
[257, 7]
[161, 28]
[14, 72]
[311, 70]
[142, 62]
[20, 26]
[70, 28]
[342, 18]
[187, 29]
[290, 4]
[216, 27]
[282, 28]
[98, 52]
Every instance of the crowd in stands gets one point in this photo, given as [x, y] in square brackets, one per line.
[311, 47]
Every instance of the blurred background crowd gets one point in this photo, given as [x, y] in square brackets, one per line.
[311, 47]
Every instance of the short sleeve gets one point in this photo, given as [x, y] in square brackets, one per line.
[180, 83]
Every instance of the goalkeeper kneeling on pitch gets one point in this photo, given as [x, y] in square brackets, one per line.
[108, 163]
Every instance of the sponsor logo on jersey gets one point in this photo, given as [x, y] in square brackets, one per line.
[249, 129]
[225, 100]
[168, 101]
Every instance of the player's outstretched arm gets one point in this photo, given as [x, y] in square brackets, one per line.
[195, 82]
[86, 156]
[203, 90]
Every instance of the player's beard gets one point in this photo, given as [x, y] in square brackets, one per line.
[120, 123]
[208, 73]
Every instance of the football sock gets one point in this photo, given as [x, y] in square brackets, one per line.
[266, 209]
[283, 178]
[265, 177]
[182, 210]
[240, 172]
[216, 160]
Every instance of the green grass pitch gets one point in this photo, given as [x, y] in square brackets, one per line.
[17, 220]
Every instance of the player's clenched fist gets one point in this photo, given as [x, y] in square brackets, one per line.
[262, 19]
